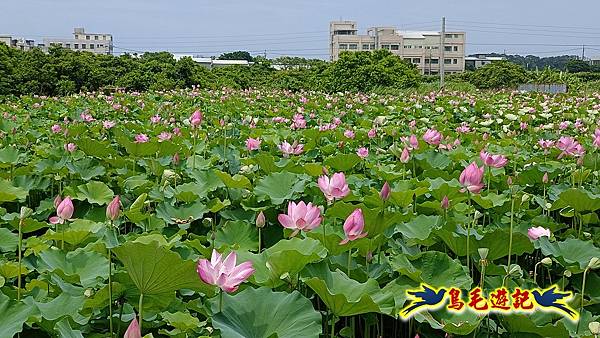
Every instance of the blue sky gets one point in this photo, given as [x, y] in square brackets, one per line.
[550, 27]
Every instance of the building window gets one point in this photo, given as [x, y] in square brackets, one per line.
[434, 61]
[76, 46]
[83, 46]
[343, 46]
[365, 46]
[68, 45]
[447, 61]
[455, 48]
[385, 46]
[353, 46]
[455, 61]
[91, 46]
[449, 36]
[447, 48]
[416, 60]
[95, 37]
[394, 47]
[408, 46]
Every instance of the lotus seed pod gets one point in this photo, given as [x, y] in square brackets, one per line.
[547, 261]
[594, 328]
[483, 252]
[594, 263]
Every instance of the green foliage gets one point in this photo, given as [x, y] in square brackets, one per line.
[501, 74]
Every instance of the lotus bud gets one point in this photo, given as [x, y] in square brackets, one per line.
[445, 204]
[57, 201]
[545, 178]
[525, 198]
[509, 180]
[25, 212]
[547, 261]
[113, 209]
[567, 273]
[384, 194]
[260, 220]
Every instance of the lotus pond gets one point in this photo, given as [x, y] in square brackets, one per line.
[276, 214]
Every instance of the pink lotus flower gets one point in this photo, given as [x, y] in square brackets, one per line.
[596, 138]
[413, 142]
[108, 124]
[253, 143]
[301, 217]
[224, 273]
[56, 129]
[537, 232]
[64, 211]
[176, 131]
[569, 147]
[164, 136]
[334, 188]
[354, 226]
[349, 134]
[362, 152]
[57, 201]
[372, 133]
[291, 149]
[70, 147]
[133, 330]
[113, 209]
[196, 119]
[432, 137]
[471, 178]
[545, 144]
[463, 128]
[494, 161]
[405, 156]
[545, 178]
[384, 194]
[141, 138]
[155, 119]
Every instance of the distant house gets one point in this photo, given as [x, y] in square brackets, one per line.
[97, 43]
[18, 43]
[595, 60]
[212, 63]
[480, 60]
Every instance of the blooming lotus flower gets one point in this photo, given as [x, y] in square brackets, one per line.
[224, 273]
[164, 136]
[64, 211]
[596, 138]
[537, 232]
[113, 209]
[253, 143]
[155, 119]
[334, 188]
[546, 145]
[57, 201]
[133, 330]
[349, 134]
[362, 152]
[413, 142]
[384, 194]
[372, 133]
[70, 147]
[569, 147]
[301, 217]
[108, 124]
[494, 161]
[463, 128]
[196, 119]
[176, 131]
[471, 178]
[291, 149]
[56, 129]
[405, 156]
[432, 137]
[354, 227]
[141, 138]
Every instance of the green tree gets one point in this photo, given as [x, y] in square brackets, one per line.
[578, 66]
[500, 74]
[239, 55]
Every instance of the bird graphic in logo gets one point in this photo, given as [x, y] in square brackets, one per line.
[425, 297]
[552, 300]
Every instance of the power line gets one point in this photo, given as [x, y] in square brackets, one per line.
[525, 25]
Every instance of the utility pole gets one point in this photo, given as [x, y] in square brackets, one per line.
[442, 47]
[583, 53]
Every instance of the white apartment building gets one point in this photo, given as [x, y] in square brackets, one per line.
[479, 60]
[98, 43]
[18, 43]
[419, 48]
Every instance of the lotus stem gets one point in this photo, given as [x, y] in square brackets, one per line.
[220, 301]
[582, 297]
[510, 234]
[259, 238]
[333, 326]
[194, 148]
[141, 310]
[349, 261]
[20, 260]
[110, 298]
[535, 271]
[469, 236]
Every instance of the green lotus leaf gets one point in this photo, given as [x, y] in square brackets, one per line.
[579, 199]
[85, 266]
[64, 329]
[345, 296]
[342, 162]
[419, 227]
[8, 240]
[95, 192]
[263, 313]
[239, 235]
[573, 253]
[156, 270]
[9, 193]
[14, 314]
[279, 187]
[237, 181]
[173, 214]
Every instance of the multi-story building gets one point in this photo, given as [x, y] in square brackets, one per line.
[419, 48]
[19, 43]
[98, 43]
